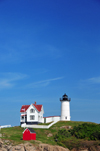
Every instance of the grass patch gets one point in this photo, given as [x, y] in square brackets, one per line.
[45, 123]
[59, 124]
[12, 133]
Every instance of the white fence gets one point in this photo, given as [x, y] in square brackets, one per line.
[5, 126]
[39, 126]
[51, 118]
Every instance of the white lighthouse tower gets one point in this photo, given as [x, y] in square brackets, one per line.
[65, 108]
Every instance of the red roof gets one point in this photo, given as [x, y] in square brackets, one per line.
[25, 107]
[38, 107]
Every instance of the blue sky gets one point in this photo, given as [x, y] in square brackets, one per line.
[48, 48]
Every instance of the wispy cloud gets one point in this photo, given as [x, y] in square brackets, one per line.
[90, 84]
[7, 80]
[43, 83]
[93, 80]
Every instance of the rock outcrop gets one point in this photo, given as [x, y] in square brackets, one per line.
[46, 147]
[6, 145]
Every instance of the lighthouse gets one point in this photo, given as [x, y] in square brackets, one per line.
[65, 108]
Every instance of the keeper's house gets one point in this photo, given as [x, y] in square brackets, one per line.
[31, 114]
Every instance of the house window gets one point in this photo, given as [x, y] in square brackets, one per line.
[32, 117]
[22, 117]
[32, 111]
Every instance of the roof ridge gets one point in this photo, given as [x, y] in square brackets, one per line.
[38, 107]
[25, 107]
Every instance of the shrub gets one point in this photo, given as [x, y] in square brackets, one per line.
[86, 130]
[62, 134]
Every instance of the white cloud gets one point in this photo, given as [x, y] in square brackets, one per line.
[94, 80]
[7, 79]
[90, 81]
[91, 84]
[43, 83]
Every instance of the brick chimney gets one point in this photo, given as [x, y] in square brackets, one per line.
[35, 103]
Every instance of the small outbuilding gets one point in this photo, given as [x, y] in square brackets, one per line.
[29, 134]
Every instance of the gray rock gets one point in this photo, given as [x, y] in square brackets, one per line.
[46, 147]
[3, 149]
[16, 148]
[29, 147]
[50, 135]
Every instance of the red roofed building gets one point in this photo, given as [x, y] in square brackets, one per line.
[29, 134]
[31, 114]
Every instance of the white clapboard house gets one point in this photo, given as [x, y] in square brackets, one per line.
[31, 114]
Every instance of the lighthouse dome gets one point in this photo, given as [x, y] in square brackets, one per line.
[65, 98]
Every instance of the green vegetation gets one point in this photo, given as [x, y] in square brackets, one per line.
[86, 131]
[67, 134]
[45, 123]
[79, 136]
[13, 133]
[59, 124]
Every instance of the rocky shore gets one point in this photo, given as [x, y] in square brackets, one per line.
[6, 145]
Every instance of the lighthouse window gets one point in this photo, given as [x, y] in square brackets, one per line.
[66, 117]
